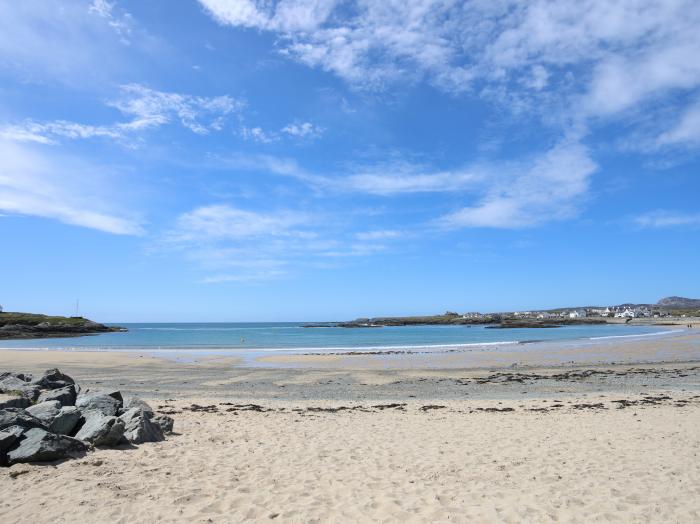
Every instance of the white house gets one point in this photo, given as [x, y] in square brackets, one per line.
[626, 313]
[578, 313]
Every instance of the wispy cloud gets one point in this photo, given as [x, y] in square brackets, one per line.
[379, 234]
[146, 108]
[68, 41]
[297, 130]
[120, 21]
[232, 244]
[61, 188]
[667, 219]
[550, 187]
[302, 130]
[572, 63]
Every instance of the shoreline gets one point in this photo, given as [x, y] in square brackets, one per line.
[667, 346]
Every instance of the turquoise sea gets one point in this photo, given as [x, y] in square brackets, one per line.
[218, 338]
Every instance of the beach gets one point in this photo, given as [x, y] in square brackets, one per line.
[368, 442]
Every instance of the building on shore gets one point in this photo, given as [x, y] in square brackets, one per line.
[578, 313]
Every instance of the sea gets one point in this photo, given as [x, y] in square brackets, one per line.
[252, 339]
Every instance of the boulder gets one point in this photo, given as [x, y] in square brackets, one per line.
[136, 402]
[107, 402]
[165, 422]
[66, 420]
[38, 445]
[19, 417]
[15, 383]
[65, 395]
[101, 430]
[139, 426]
[53, 379]
[8, 437]
[45, 411]
[13, 400]
[26, 377]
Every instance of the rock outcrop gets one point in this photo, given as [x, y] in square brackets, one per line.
[50, 418]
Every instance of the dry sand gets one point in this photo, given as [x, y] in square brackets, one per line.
[638, 464]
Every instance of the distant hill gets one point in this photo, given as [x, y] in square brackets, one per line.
[679, 302]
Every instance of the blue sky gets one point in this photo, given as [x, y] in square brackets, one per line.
[321, 160]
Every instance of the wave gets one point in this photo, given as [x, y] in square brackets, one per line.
[320, 349]
[655, 334]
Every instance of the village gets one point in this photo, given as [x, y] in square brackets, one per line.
[628, 312]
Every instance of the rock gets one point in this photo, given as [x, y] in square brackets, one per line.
[140, 427]
[107, 402]
[13, 400]
[46, 411]
[66, 420]
[39, 445]
[16, 383]
[136, 402]
[65, 395]
[19, 417]
[8, 437]
[53, 379]
[165, 422]
[26, 377]
[100, 429]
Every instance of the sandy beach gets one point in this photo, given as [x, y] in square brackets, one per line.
[538, 443]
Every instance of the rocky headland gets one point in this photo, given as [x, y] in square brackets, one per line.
[30, 325]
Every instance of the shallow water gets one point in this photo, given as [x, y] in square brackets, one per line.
[216, 338]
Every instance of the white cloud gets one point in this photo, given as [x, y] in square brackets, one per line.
[147, 109]
[257, 134]
[60, 188]
[379, 234]
[284, 15]
[67, 41]
[119, 21]
[384, 179]
[232, 244]
[686, 131]
[404, 179]
[569, 62]
[297, 130]
[665, 219]
[218, 222]
[550, 187]
[302, 130]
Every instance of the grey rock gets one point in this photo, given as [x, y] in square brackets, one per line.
[139, 427]
[25, 377]
[136, 402]
[65, 395]
[45, 411]
[165, 422]
[39, 445]
[53, 379]
[66, 420]
[11, 382]
[101, 430]
[8, 437]
[107, 402]
[19, 417]
[13, 400]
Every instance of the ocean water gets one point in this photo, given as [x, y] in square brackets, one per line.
[219, 338]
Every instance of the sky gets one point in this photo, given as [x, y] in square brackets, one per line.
[270, 160]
